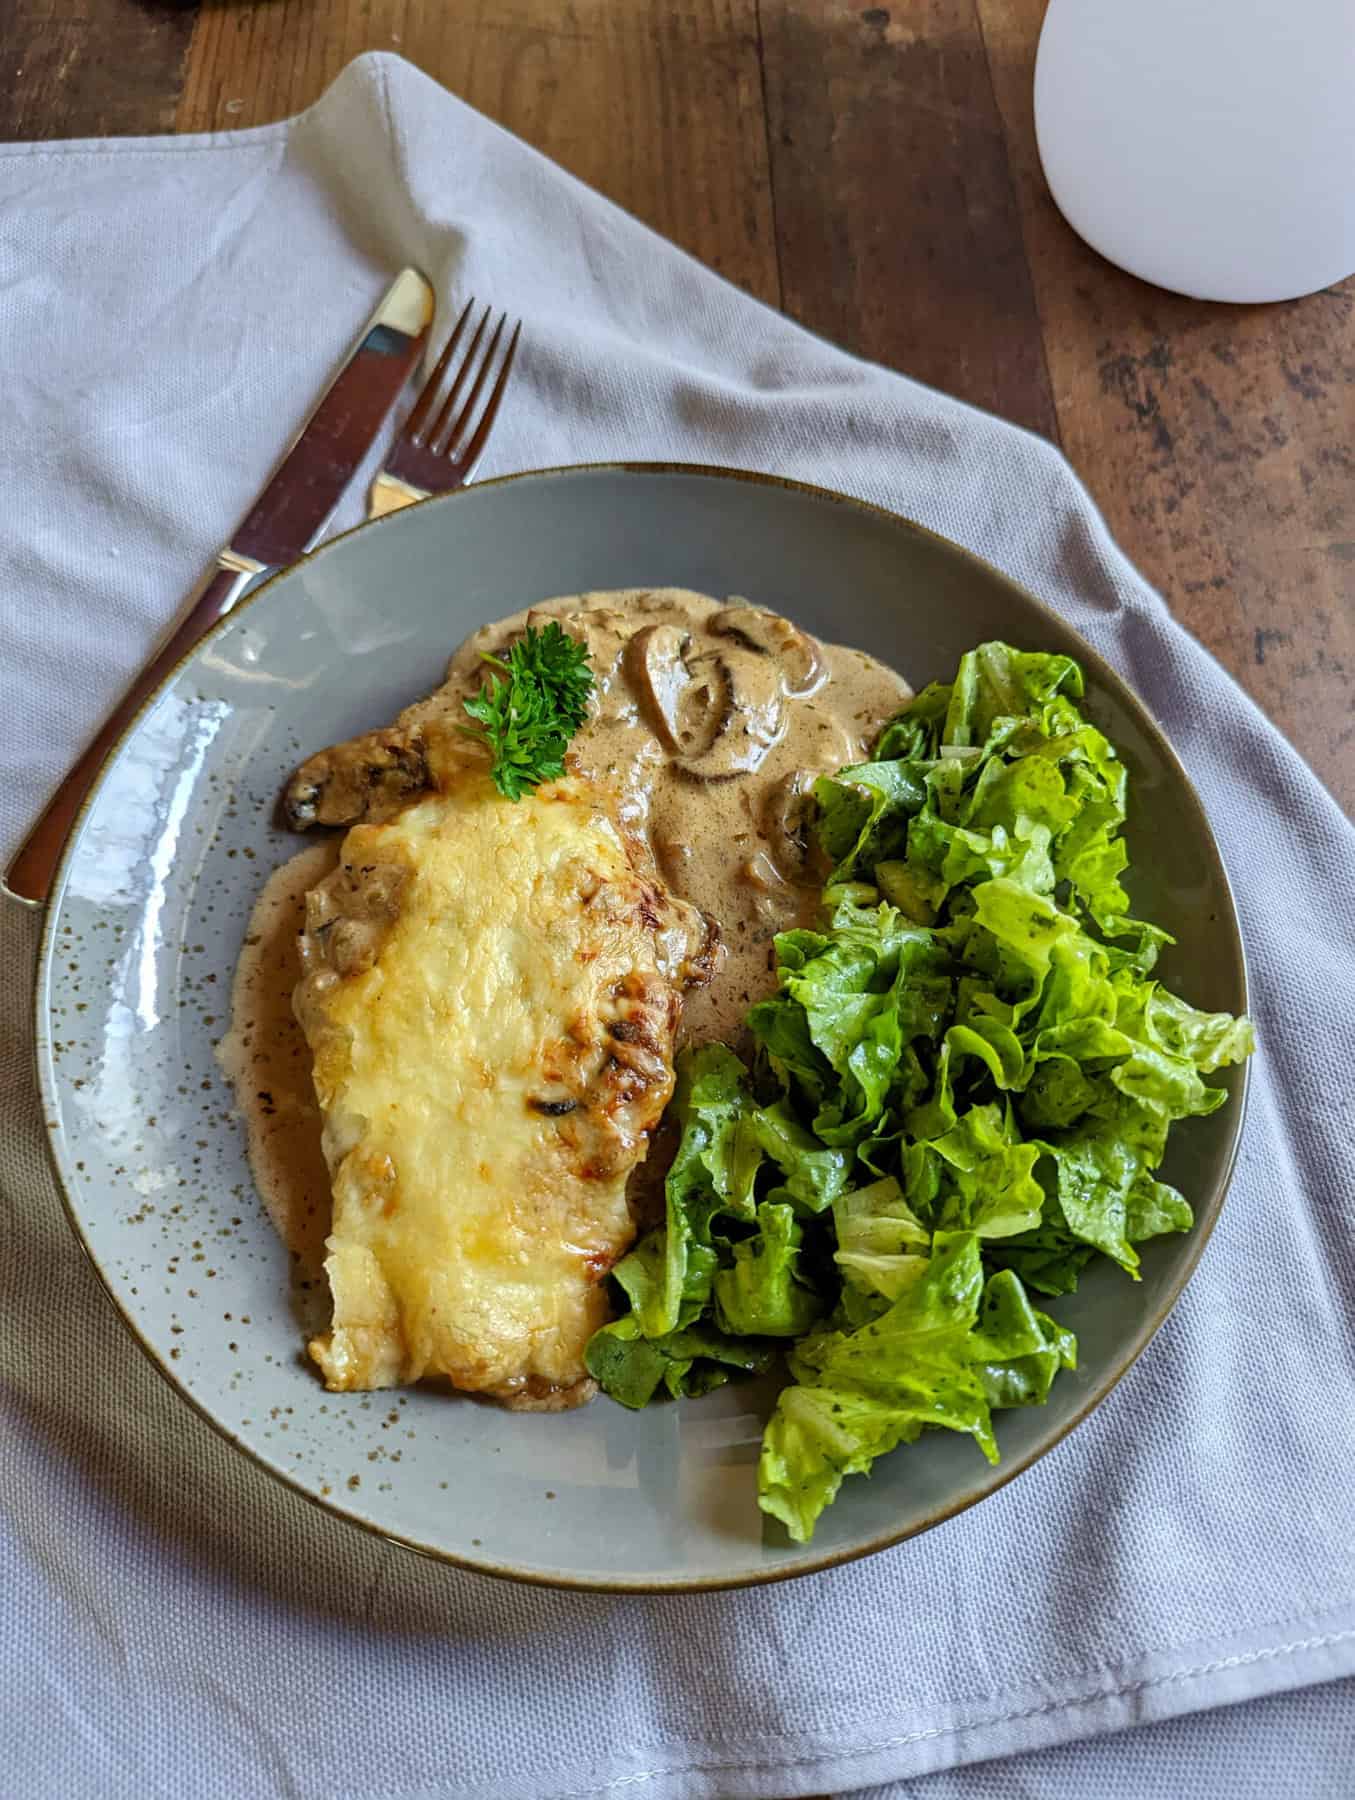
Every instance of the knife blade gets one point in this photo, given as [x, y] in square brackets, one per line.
[289, 516]
[299, 501]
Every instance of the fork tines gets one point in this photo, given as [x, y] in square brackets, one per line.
[448, 427]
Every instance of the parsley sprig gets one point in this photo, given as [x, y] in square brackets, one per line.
[528, 714]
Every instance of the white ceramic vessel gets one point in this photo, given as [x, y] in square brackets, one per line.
[1205, 145]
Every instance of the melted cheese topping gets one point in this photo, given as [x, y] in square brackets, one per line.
[467, 967]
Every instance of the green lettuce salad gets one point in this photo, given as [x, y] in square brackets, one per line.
[961, 1094]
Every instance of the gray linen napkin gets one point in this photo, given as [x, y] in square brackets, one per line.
[173, 1622]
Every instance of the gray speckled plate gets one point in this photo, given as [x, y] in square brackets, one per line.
[145, 926]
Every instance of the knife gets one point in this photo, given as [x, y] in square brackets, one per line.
[288, 518]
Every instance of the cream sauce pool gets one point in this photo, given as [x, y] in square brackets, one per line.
[268, 1060]
[710, 720]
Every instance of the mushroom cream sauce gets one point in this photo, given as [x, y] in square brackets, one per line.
[710, 721]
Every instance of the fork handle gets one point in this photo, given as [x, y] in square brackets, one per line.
[29, 877]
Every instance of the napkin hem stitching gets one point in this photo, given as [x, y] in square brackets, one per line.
[245, 140]
[1243, 1659]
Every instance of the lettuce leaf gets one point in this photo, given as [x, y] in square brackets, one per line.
[1017, 1351]
[860, 1393]
[995, 682]
[865, 810]
[762, 1292]
[852, 1003]
[950, 1349]
[962, 1093]
[632, 1367]
[882, 1245]
[668, 1277]
[988, 1184]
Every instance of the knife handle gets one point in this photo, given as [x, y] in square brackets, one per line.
[29, 877]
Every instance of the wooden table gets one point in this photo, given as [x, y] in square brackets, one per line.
[872, 171]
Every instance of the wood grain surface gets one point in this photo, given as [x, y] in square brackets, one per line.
[872, 170]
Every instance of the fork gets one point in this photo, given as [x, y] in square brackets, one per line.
[440, 444]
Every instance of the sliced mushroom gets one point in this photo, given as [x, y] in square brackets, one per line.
[740, 697]
[367, 778]
[349, 915]
[552, 1108]
[714, 719]
[654, 662]
[786, 825]
[768, 634]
